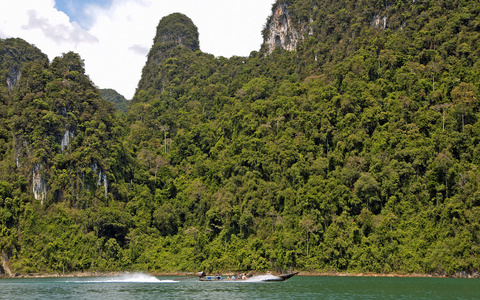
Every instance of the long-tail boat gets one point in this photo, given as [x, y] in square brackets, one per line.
[282, 277]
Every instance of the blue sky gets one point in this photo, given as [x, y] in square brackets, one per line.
[76, 10]
[114, 36]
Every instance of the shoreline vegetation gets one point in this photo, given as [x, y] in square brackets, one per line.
[474, 275]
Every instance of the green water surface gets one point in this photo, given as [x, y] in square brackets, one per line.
[299, 287]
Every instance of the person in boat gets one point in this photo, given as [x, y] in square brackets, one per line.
[217, 276]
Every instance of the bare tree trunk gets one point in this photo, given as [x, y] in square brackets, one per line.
[446, 185]
[443, 123]
[307, 242]
[4, 264]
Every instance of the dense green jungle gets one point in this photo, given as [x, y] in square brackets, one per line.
[358, 151]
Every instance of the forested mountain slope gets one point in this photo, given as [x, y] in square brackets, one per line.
[62, 148]
[348, 142]
[119, 101]
[357, 151]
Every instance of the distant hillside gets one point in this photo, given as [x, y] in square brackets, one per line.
[118, 100]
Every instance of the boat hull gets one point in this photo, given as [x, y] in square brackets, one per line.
[281, 277]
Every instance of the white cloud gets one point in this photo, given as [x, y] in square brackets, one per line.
[116, 44]
[39, 23]
[139, 49]
[60, 33]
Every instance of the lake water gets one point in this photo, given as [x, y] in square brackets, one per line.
[141, 286]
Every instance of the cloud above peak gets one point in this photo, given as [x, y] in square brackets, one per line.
[70, 33]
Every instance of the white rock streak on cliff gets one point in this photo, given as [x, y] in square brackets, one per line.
[282, 33]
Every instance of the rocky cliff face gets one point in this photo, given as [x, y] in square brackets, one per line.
[281, 32]
[13, 78]
[379, 21]
[39, 184]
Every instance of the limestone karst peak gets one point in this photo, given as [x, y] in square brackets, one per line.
[177, 29]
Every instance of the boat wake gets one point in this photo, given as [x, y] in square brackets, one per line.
[127, 278]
